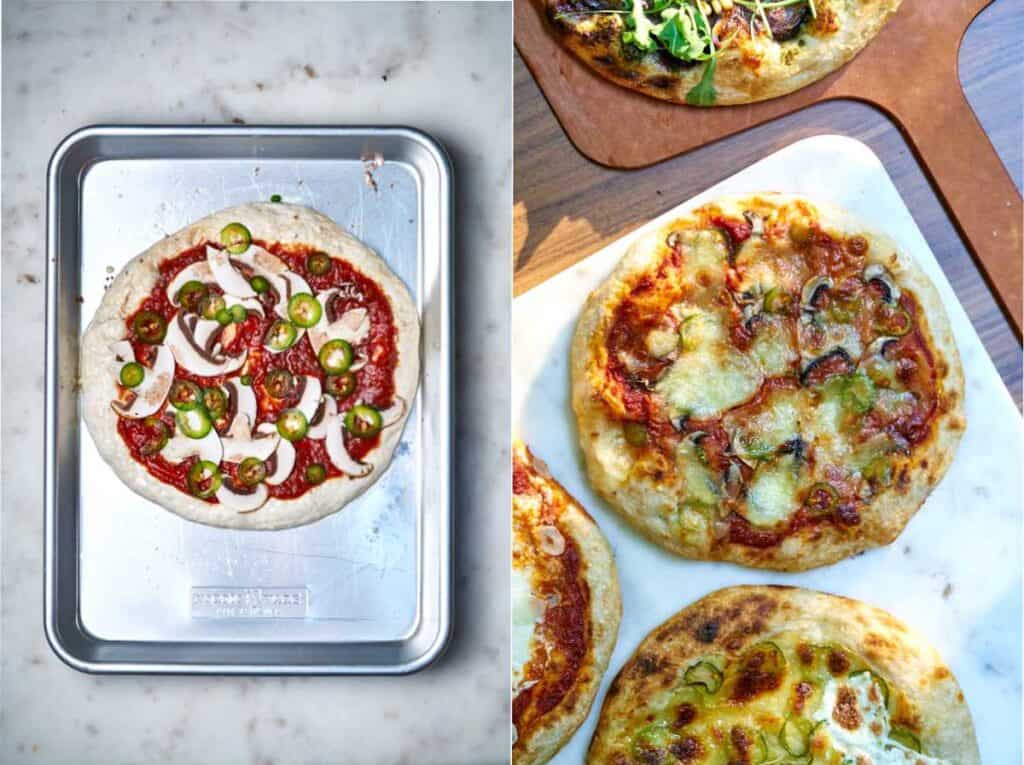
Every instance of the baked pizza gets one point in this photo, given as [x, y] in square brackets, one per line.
[253, 370]
[717, 52]
[784, 676]
[767, 381]
[565, 611]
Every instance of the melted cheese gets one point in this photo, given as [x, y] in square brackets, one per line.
[527, 611]
[773, 349]
[772, 494]
[710, 376]
[868, 743]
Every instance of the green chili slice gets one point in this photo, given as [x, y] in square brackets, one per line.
[223, 317]
[211, 305]
[238, 313]
[216, 402]
[275, 197]
[636, 433]
[859, 392]
[259, 284]
[292, 424]
[245, 379]
[318, 263]
[252, 471]
[157, 435]
[235, 237]
[191, 295]
[281, 335]
[776, 301]
[132, 374]
[304, 310]
[336, 357]
[150, 327]
[363, 421]
[905, 738]
[795, 735]
[279, 383]
[340, 386]
[821, 498]
[896, 322]
[185, 395]
[704, 674]
[204, 479]
[316, 473]
[194, 423]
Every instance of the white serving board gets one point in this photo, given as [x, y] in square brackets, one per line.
[954, 573]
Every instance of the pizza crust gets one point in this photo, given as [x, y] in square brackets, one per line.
[645, 505]
[271, 222]
[596, 41]
[730, 620]
[605, 614]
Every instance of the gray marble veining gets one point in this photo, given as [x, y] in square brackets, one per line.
[445, 68]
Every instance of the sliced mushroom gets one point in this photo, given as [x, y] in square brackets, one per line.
[756, 222]
[327, 409]
[197, 272]
[226, 275]
[242, 501]
[271, 268]
[878, 346]
[879, 274]
[353, 326]
[393, 413]
[149, 395]
[309, 401]
[193, 355]
[240, 442]
[338, 454]
[836, 361]
[241, 401]
[180, 447]
[812, 288]
[281, 463]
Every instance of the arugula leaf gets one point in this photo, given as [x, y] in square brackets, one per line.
[642, 27]
[673, 36]
[703, 93]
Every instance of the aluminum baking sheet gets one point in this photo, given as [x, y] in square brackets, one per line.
[131, 587]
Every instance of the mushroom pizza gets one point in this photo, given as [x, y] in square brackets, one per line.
[767, 381]
[253, 370]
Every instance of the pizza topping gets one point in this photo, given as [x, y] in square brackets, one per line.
[340, 386]
[292, 424]
[281, 336]
[194, 344]
[226, 275]
[252, 471]
[181, 447]
[318, 263]
[363, 421]
[204, 479]
[240, 498]
[875, 273]
[149, 327]
[151, 386]
[335, 357]
[304, 310]
[235, 237]
[336, 450]
[857, 725]
[315, 474]
[241, 443]
[551, 541]
[703, 674]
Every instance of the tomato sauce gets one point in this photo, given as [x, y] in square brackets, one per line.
[374, 382]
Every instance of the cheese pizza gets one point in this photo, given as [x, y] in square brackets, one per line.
[783, 676]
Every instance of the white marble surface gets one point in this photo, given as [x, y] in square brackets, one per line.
[445, 68]
[954, 573]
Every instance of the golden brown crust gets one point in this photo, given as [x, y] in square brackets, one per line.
[648, 503]
[728, 621]
[555, 700]
[748, 71]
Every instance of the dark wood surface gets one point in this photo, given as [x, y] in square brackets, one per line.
[567, 207]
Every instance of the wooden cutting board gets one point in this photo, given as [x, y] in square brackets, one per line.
[909, 71]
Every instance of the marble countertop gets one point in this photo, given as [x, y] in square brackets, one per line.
[445, 68]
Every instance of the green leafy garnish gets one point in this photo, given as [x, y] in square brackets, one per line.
[703, 93]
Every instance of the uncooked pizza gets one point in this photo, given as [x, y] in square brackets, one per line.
[784, 676]
[565, 611]
[767, 381]
[717, 52]
[253, 370]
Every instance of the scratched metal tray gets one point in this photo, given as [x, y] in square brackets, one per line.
[130, 587]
